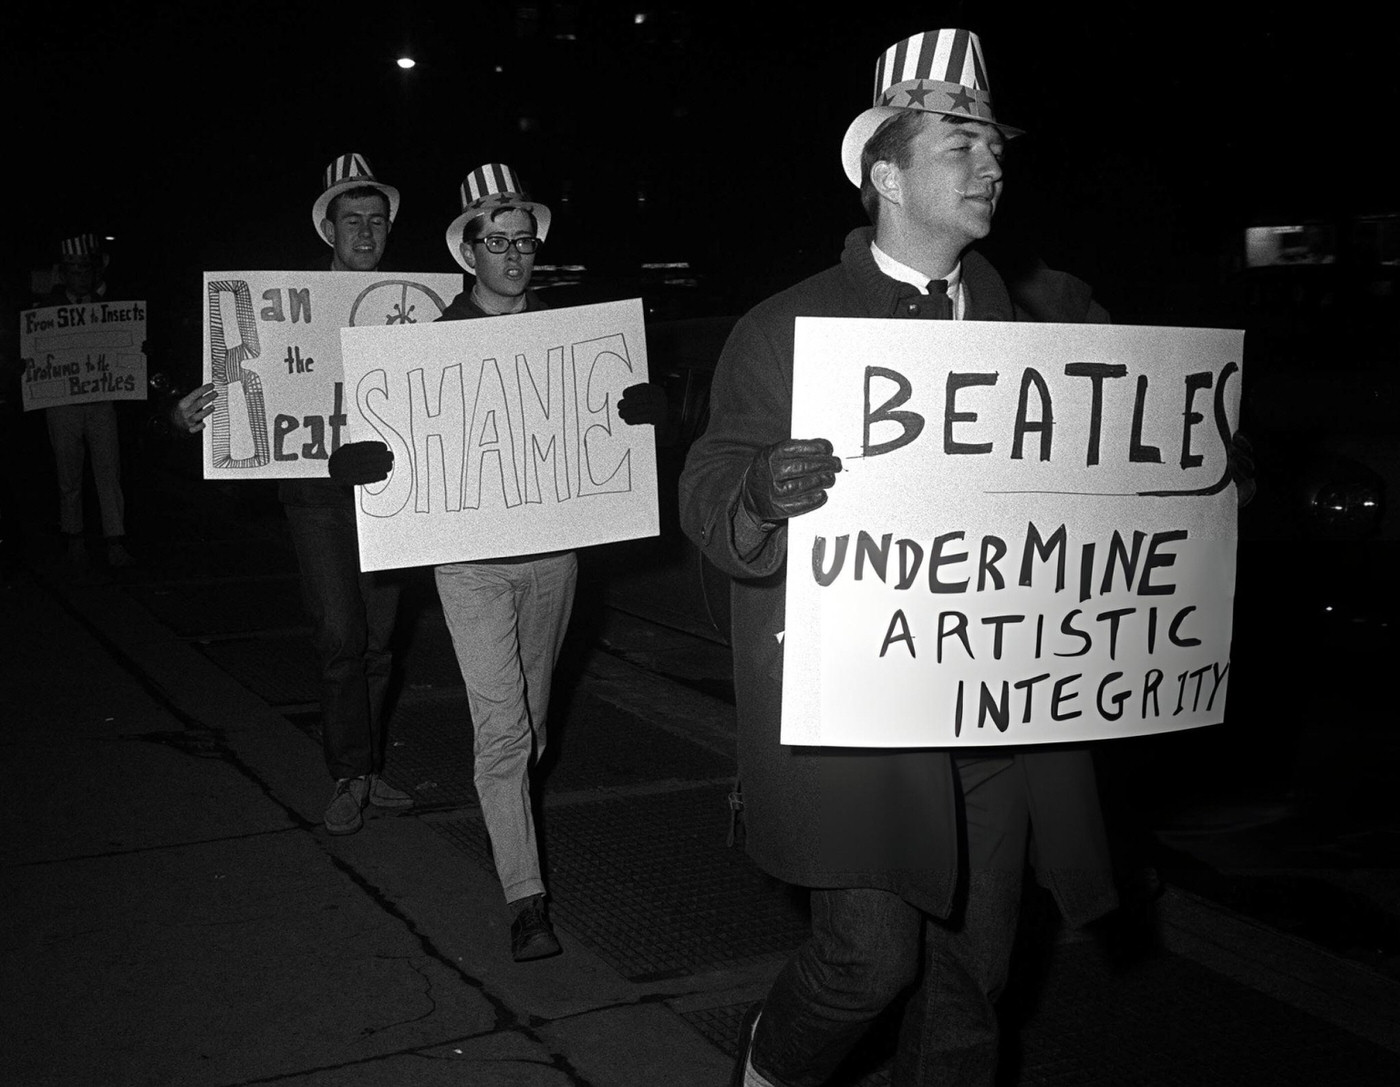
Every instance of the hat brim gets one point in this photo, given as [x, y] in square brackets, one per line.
[864, 126]
[457, 229]
[322, 206]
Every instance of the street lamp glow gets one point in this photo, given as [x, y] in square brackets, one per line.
[406, 63]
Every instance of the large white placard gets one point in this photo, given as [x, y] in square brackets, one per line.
[83, 352]
[272, 350]
[505, 435]
[1032, 539]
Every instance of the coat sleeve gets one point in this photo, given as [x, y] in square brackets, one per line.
[750, 407]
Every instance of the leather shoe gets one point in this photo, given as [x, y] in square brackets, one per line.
[531, 935]
[343, 812]
[384, 795]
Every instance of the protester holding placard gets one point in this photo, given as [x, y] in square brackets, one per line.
[507, 615]
[353, 613]
[86, 429]
[914, 857]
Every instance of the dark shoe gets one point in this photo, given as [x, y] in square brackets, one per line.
[531, 935]
[384, 795]
[343, 812]
[118, 557]
[746, 1029]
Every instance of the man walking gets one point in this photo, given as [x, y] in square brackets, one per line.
[90, 428]
[352, 613]
[507, 615]
[914, 857]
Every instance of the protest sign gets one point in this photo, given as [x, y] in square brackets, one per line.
[272, 350]
[1032, 538]
[83, 352]
[505, 435]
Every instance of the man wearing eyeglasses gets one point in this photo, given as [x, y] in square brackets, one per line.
[507, 615]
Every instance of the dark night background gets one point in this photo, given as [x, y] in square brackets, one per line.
[195, 134]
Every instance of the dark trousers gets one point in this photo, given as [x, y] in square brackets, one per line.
[868, 946]
[353, 617]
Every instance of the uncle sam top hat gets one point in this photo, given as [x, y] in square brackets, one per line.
[349, 171]
[938, 71]
[82, 245]
[485, 189]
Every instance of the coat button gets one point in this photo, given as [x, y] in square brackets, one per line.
[913, 310]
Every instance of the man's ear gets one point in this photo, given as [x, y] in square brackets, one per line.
[328, 230]
[468, 254]
[887, 180]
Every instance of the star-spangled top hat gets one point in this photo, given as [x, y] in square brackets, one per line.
[939, 71]
[349, 171]
[485, 189]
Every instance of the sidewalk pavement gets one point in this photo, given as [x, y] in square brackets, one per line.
[177, 913]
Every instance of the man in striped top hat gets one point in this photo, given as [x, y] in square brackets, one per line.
[914, 858]
[76, 430]
[507, 615]
[352, 613]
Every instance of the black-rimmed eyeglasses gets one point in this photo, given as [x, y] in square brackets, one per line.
[499, 243]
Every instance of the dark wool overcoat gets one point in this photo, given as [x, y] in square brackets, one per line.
[842, 817]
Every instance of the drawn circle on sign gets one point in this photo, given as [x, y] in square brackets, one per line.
[396, 302]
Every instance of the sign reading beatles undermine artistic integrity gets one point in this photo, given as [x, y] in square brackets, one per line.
[272, 350]
[1032, 539]
[83, 352]
[505, 435]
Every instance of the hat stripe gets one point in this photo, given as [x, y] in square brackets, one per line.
[979, 69]
[925, 63]
[957, 57]
[942, 55]
[897, 62]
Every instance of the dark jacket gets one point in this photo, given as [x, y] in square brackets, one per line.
[838, 817]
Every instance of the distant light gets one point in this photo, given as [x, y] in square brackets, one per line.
[499, 69]
[406, 63]
[109, 237]
[639, 18]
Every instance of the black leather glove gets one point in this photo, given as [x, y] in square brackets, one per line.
[1241, 460]
[788, 478]
[361, 462]
[642, 404]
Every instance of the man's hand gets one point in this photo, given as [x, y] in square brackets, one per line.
[189, 413]
[642, 404]
[361, 462]
[788, 478]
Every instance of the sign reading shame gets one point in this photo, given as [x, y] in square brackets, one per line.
[82, 352]
[1032, 538]
[272, 350]
[505, 435]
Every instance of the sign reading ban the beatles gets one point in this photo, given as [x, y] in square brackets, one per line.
[1032, 539]
[272, 351]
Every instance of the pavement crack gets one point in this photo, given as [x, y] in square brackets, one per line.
[164, 847]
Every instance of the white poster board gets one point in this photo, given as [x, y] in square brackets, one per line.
[505, 435]
[272, 350]
[83, 352]
[1032, 539]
